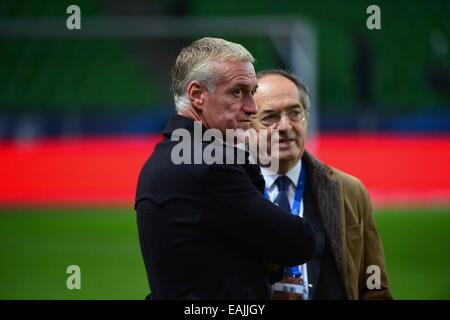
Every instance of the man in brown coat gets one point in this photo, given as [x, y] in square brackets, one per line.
[349, 260]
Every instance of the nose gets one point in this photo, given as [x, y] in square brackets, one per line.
[250, 106]
[284, 123]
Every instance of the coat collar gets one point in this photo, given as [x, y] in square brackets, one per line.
[179, 122]
[329, 200]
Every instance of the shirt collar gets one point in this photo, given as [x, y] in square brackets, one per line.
[293, 174]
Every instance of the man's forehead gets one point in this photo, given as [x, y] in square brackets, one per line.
[277, 85]
[236, 72]
[276, 92]
[274, 99]
[278, 104]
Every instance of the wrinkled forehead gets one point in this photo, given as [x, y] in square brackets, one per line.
[277, 100]
[235, 72]
[278, 92]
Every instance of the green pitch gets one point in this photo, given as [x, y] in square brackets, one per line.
[37, 246]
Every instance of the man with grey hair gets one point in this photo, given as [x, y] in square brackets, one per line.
[206, 231]
[349, 260]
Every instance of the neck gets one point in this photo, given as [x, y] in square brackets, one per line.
[193, 114]
[287, 165]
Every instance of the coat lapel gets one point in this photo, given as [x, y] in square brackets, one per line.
[329, 202]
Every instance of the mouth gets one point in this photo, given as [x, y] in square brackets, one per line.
[285, 143]
[245, 123]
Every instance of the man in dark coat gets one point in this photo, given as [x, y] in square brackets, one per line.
[206, 231]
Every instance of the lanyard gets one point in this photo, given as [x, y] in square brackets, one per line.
[298, 197]
[295, 210]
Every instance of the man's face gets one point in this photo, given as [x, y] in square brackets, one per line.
[280, 107]
[231, 103]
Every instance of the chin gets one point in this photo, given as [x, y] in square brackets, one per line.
[288, 155]
[284, 159]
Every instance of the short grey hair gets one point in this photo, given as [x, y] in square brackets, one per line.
[196, 62]
[301, 86]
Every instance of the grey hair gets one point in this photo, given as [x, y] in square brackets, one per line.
[196, 62]
[301, 86]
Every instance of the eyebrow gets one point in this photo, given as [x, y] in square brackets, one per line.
[268, 111]
[290, 107]
[244, 86]
[293, 106]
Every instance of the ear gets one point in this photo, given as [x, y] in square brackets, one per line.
[196, 94]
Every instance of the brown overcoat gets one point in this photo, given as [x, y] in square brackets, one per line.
[346, 211]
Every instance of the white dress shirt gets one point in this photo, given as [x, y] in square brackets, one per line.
[272, 190]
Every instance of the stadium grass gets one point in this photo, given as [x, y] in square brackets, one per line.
[37, 246]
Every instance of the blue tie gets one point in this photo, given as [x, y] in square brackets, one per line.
[282, 200]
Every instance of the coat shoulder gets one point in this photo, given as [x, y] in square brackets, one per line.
[354, 192]
[347, 180]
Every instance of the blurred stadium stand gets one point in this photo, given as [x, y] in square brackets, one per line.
[369, 83]
[405, 70]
